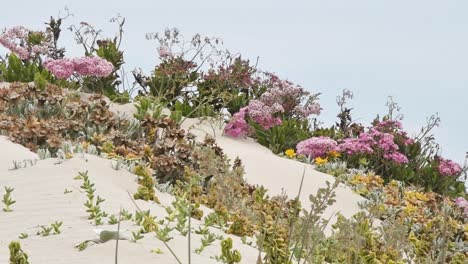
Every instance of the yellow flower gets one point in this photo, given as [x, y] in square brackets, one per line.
[290, 153]
[414, 196]
[334, 154]
[68, 155]
[320, 161]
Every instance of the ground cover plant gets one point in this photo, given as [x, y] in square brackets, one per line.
[417, 195]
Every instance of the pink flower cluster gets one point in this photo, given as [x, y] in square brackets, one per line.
[373, 140]
[463, 204]
[260, 113]
[293, 98]
[238, 126]
[280, 97]
[316, 147]
[263, 114]
[87, 66]
[15, 39]
[449, 168]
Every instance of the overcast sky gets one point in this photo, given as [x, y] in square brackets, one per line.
[415, 51]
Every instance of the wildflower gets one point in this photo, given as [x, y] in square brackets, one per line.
[320, 161]
[316, 146]
[449, 168]
[87, 66]
[463, 204]
[290, 153]
[334, 154]
[238, 126]
[16, 40]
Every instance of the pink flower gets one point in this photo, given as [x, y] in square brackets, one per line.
[15, 39]
[87, 66]
[396, 157]
[449, 168]
[463, 204]
[375, 140]
[316, 147]
[293, 98]
[263, 114]
[238, 126]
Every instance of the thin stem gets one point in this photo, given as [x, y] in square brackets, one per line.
[118, 235]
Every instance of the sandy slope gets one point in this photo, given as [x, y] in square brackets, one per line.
[40, 200]
[275, 173]
[264, 168]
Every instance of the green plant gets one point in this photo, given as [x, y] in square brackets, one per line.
[40, 82]
[146, 189]
[56, 226]
[7, 201]
[227, 254]
[23, 236]
[148, 222]
[207, 240]
[92, 204]
[45, 231]
[126, 215]
[15, 70]
[67, 191]
[82, 246]
[136, 236]
[157, 251]
[202, 230]
[282, 137]
[113, 220]
[17, 255]
[163, 233]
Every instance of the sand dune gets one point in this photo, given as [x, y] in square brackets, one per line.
[41, 200]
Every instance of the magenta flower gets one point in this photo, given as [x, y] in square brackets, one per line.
[375, 140]
[449, 168]
[87, 66]
[316, 147]
[238, 126]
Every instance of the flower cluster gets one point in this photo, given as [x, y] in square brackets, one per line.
[463, 204]
[16, 40]
[449, 168]
[316, 147]
[376, 139]
[87, 66]
[280, 97]
[264, 114]
[238, 126]
[294, 100]
[260, 113]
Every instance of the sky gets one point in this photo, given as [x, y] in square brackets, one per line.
[415, 51]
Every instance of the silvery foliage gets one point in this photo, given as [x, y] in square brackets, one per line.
[44, 154]
[23, 164]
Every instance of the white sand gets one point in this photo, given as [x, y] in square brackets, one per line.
[40, 200]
